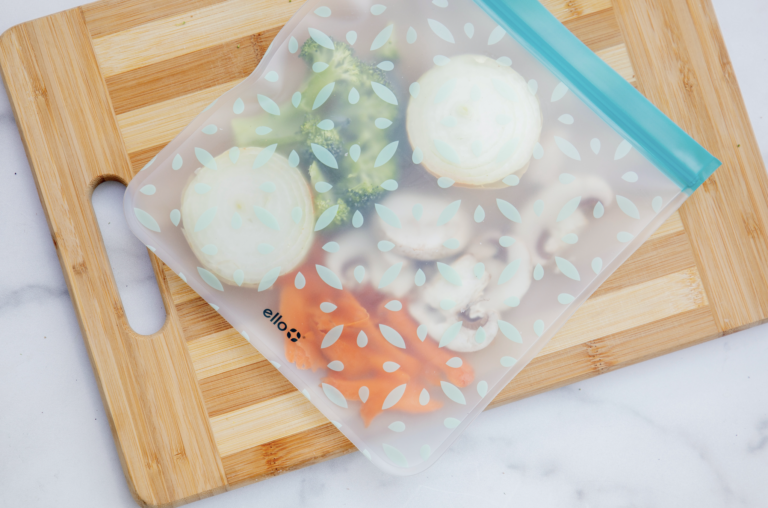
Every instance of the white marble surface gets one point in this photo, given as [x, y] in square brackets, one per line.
[686, 430]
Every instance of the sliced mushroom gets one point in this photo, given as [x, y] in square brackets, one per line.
[358, 249]
[442, 304]
[420, 236]
[496, 258]
[545, 235]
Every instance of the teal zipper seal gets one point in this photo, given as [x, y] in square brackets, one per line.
[617, 102]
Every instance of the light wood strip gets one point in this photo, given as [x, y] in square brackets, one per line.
[727, 218]
[656, 258]
[286, 454]
[264, 422]
[111, 16]
[631, 307]
[160, 123]
[221, 352]
[672, 225]
[618, 58]
[167, 38]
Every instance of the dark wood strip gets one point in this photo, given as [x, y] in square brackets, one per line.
[598, 30]
[111, 16]
[192, 72]
[198, 319]
[286, 454]
[141, 158]
[243, 387]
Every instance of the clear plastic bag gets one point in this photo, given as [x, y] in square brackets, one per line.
[405, 201]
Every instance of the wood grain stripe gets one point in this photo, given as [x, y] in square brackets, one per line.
[631, 307]
[647, 264]
[111, 16]
[167, 38]
[598, 30]
[222, 63]
[264, 422]
[565, 10]
[242, 387]
[286, 454]
[618, 58]
[198, 319]
[608, 353]
[221, 352]
[158, 124]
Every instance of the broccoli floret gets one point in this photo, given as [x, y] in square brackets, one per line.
[312, 134]
[362, 196]
[356, 184]
[342, 214]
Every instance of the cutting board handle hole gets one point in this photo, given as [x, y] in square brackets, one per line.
[129, 260]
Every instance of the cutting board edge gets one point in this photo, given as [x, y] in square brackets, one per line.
[139, 492]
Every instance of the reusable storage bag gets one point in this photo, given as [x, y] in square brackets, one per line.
[406, 200]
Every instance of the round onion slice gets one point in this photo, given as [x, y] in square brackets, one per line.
[475, 121]
[242, 223]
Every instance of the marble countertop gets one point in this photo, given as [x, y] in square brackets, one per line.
[689, 429]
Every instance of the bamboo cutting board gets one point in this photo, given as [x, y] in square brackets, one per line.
[195, 410]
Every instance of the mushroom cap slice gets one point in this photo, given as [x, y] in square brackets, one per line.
[241, 223]
[475, 121]
[359, 249]
[544, 235]
[441, 304]
[421, 237]
[496, 258]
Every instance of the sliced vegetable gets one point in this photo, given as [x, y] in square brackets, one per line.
[453, 313]
[428, 236]
[474, 120]
[244, 224]
[571, 209]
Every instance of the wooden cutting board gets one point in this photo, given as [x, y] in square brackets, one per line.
[195, 410]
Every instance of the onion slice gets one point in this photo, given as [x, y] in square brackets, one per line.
[242, 223]
[475, 121]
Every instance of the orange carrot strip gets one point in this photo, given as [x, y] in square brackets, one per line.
[428, 351]
[379, 388]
